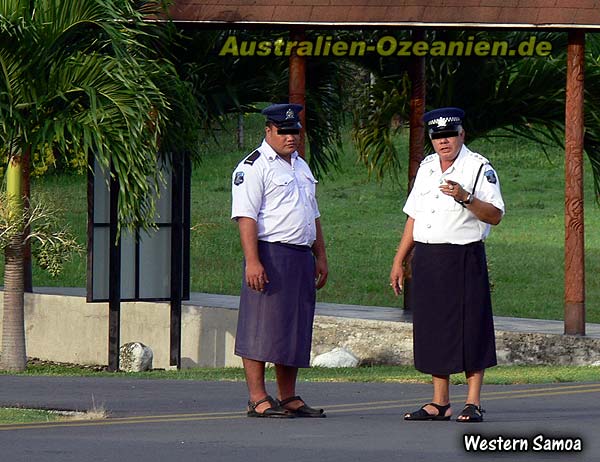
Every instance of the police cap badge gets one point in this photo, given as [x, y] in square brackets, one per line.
[444, 122]
[284, 116]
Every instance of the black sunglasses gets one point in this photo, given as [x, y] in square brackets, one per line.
[288, 131]
[449, 134]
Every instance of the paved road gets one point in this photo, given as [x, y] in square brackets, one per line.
[159, 420]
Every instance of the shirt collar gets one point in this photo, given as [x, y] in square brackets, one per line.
[462, 154]
[457, 161]
[267, 150]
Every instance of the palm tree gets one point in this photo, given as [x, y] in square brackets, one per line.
[79, 76]
[226, 85]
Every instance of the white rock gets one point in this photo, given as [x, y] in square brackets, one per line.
[338, 357]
[135, 357]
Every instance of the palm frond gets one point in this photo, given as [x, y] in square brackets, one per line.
[517, 96]
[84, 76]
[377, 117]
[326, 112]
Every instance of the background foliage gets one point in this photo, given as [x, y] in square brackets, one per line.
[515, 116]
[362, 221]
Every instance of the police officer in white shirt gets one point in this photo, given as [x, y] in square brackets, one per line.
[274, 203]
[454, 201]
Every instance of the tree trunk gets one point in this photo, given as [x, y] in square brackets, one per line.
[27, 270]
[14, 357]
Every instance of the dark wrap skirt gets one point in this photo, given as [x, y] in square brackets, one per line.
[276, 325]
[453, 327]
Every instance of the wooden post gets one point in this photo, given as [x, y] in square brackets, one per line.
[416, 134]
[297, 85]
[417, 109]
[574, 230]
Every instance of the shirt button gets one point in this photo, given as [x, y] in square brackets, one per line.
[428, 226]
[432, 210]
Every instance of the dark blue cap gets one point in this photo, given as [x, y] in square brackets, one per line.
[284, 116]
[444, 121]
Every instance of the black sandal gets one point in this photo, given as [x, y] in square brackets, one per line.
[302, 411]
[275, 411]
[422, 414]
[471, 413]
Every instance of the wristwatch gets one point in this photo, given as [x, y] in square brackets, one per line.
[467, 201]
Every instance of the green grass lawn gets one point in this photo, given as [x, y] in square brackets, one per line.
[19, 416]
[362, 221]
[403, 374]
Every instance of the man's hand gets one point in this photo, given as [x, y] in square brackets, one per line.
[454, 190]
[321, 271]
[397, 278]
[256, 278]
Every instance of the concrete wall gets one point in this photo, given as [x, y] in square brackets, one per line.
[67, 329]
[208, 337]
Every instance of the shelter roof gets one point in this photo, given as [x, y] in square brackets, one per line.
[513, 14]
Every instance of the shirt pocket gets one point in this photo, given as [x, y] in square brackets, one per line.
[434, 200]
[283, 183]
[309, 184]
[450, 205]
[424, 200]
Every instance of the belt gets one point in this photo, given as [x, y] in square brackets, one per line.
[286, 244]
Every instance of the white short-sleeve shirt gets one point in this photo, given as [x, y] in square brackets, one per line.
[279, 196]
[439, 219]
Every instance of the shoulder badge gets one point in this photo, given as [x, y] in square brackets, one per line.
[252, 157]
[490, 175]
[239, 178]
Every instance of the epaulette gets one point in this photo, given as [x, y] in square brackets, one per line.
[479, 157]
[429, 158]
[252, 157]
